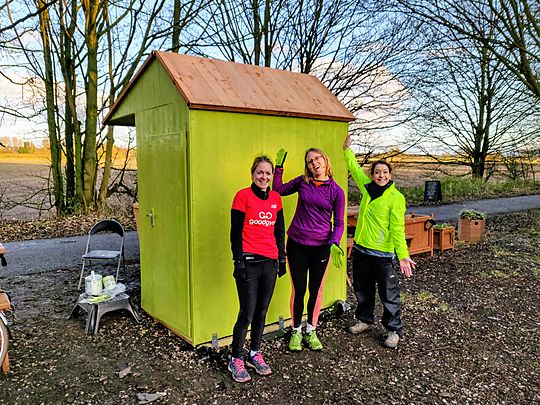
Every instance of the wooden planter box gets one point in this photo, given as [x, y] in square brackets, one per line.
[471, 230]
[443, 238]
[419, 239]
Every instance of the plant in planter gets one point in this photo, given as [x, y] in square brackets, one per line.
[471, 225]
[443, 236]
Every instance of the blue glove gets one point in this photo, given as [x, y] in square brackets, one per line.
[337, 253]
[280, 157]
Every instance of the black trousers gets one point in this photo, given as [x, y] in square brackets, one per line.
[303, 260]
[368, 272]
[254, 294]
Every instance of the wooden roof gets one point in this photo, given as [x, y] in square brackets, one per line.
[210, 84]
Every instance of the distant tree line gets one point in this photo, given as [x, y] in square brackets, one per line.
[18, 145]
[458, 77]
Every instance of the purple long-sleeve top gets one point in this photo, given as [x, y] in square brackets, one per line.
[312, 221]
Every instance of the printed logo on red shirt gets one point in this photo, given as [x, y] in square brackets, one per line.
[264, 219]
[260, 218]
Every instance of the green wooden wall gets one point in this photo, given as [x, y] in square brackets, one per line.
[222, 148]
[190, 165]
[161, 117]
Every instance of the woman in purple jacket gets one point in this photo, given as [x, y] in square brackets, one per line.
[314, 235]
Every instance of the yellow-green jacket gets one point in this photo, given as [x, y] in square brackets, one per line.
[381, 223]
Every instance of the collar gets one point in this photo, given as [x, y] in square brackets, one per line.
[375, 191]
[324, 182]
[262, 194]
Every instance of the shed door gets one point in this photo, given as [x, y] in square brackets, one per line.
[163, 238]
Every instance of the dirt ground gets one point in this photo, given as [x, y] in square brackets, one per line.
[471, 337]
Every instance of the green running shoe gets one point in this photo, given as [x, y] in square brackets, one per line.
[295, 343]
[313, 341]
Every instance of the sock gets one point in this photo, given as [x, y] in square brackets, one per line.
[253, 353]
[309, 328]
[299, 329]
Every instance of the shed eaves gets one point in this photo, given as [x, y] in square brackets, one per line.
[210, 84]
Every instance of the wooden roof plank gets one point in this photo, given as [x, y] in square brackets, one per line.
[227, 86]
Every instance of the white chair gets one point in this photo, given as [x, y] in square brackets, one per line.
[107, 225]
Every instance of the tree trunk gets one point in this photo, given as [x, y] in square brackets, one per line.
[55, 148]
[176, 28]
[257, 35]
[91, 8]
[72, 127]
[107, 168]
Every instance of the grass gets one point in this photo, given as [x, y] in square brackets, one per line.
[499, 274]
[501, 252]
[456, 188]
[425, 297]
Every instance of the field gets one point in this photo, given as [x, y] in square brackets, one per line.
[25, 180]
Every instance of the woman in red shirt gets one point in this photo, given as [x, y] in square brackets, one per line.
[258, 247]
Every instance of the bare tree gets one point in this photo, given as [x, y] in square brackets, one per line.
[356, 48]
[515, 42]
[56, 154]
[94, 48]
[471, 108]
[242, 30]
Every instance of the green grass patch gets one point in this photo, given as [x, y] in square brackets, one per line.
[499, 274]
[461, 188]
[424, 297]
[444, 306]
[502, 252]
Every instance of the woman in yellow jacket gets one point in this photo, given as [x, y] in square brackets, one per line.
[379, 238]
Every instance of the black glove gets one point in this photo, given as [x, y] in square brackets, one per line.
[240, 272]
[282, 267]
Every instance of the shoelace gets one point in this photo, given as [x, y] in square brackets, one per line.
[258, 359]
[238, 365]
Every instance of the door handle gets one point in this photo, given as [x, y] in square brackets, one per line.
[151, 216]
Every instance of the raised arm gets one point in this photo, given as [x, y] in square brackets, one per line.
[288, 188]
[354, 167]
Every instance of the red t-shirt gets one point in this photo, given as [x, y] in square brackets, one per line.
[261, 215]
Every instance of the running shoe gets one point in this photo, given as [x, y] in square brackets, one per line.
[359, 327]
[313, 341]
[258, 363]
[295, 343]
[238, 370]
[392, 340]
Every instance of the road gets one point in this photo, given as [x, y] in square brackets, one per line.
[65, 253]
[449, 212]
[41, 255]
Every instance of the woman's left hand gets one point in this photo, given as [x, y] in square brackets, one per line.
[407, 265]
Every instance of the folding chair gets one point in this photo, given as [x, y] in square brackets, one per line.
[107, 225]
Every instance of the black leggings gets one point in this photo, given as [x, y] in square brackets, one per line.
[369, 271]
[303, 259]
[254, 295]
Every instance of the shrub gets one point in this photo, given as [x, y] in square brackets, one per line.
[444, 225]
[471, 214]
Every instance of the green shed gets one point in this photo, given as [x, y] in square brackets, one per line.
[199, 123]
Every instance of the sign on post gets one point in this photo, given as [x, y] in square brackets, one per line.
[432, 191]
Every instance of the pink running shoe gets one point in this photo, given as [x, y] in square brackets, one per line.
[238, 370]
[258, 363]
